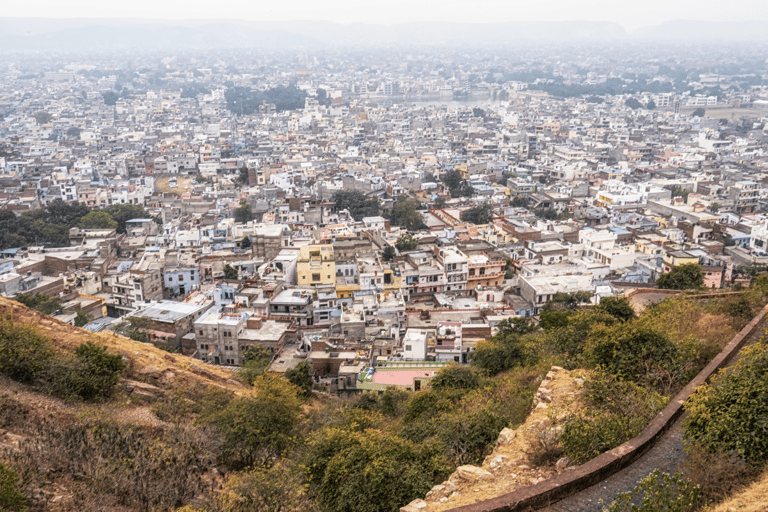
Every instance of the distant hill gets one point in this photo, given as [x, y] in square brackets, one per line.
[118, 34]
[706, 31]
[109, 34]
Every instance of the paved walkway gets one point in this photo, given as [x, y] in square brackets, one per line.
[667, 455]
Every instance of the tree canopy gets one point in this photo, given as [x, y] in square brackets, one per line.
[457, 185]
[406, 242]
[97, 220]
[243, 213]
[404, 214]
[682, 277]
[246, 101]
[480, 214]
[358, 204]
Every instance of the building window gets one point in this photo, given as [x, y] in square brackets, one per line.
[315, 277]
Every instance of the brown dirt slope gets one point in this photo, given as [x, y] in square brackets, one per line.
[145, 363]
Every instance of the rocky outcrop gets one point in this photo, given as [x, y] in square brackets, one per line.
[509, 467]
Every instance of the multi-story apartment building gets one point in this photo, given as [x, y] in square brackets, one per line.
[316, 266]
[484, 271]
[455, 263]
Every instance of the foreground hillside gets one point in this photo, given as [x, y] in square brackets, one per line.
[101, 422]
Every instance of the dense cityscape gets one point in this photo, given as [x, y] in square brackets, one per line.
[362, 219]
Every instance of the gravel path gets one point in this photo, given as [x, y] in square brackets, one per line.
[667, 455]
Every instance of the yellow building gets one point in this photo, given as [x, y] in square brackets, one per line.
[316, 266]
[345, 288]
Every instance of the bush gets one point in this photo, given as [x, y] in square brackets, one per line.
[455, 376]
[632, 352]
[255, 430]
[24, 354]
[99, 370]
[277, 488]
[10, 498]
[732, 411]
[299, 376]
[370, 470]
[616, 411]
[660, 493]
[121, 466]
[545, 447]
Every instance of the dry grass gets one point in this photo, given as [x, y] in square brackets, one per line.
[752, 499]
[145, 363]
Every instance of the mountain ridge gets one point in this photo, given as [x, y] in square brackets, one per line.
[105, 34]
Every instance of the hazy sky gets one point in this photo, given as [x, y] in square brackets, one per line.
[631, 14]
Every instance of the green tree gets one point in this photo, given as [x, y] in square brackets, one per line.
[505, 350]
[122, 213]
[714, 207]
[73, 132]
[406, 242]
[683, 277]
[42, 117]
[39, 302]
[519, 202]
[243, 213]
[300, 377]
[457, 185]
[245, 243]
[82, 318]
[388, 254]
[480, 214]
[358, 204]
[255, 362]
[699, 112]
[97, 220]
[11, 499]
[230, 272]
[633, 103]
[617, 307]
[278, 488]
[92, 375]
[651, 105]
[630, 351]
[242, 177]
[323, 98]
[256, 430]
[404, 214]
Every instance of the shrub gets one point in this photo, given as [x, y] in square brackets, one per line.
[617, 307]
[255, 363]
[121, 465]
[277, 488]
[616, 411]
[545, 447]
[370, 470]
[732, 411]
[659, 492]
[299, 376]
[10, 498]
[632, 352]
[255, 430]
[455, 376]
[24, 354]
